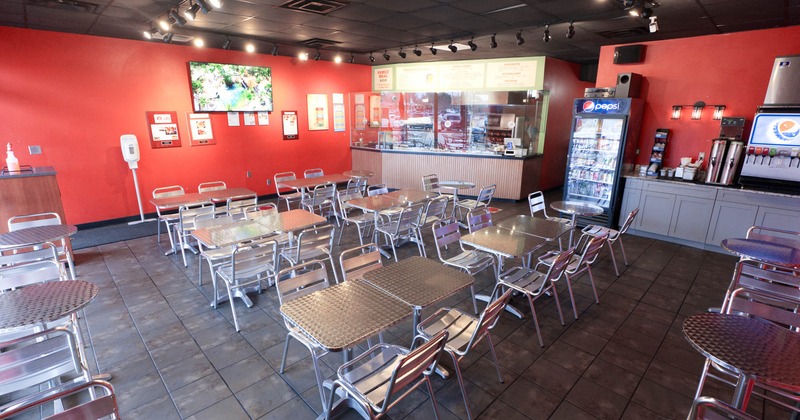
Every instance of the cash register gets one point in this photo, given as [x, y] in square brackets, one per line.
[513, 147]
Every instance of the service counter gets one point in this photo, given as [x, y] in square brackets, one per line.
[515, 177]
[29, 192]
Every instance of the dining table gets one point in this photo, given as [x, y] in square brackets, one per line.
[35, 235]
[359, 173]
[549, 230]
[574, 209]
[781, 254]
[304, 184]
[221, 196]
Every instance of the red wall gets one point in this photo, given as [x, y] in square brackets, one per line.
[561, 79]
[74, 95]
[731, 70]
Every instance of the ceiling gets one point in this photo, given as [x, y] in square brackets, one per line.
[360, 27]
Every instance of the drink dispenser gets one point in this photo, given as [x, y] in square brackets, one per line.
[726, 152]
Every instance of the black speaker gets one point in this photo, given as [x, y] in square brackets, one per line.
[628, 85]
[629, 54]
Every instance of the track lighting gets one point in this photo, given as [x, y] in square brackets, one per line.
[546, 34]
[386, 55]
[215, 3]
[191, 12]
[571, 30]
[352, 58]
[167, 38]
[151, 33]
[433, 50]
[520, 40]
[452, 47]
[177, 18]
[493, 43]
[472, 45]
[628, 3]
[647, 12]
[164, 24]
[274, 49]
[199, 43]
[371, 58]
[250, 48]
[303, 56]
[227, 44]
[317, 56]
[416, 51]
[653, 24]
[402, 53]
[337, 59]
[204, 7]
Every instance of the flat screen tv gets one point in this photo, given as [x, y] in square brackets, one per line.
[230, 87]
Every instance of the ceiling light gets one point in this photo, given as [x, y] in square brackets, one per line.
[571, 30]
[198, 42]
[472, 45]
[386, 54]
[452, 47]
[163, 24]
[167, 38]
[215, 3]
[191, 12]
[303, 56]
[628, 3]
[274, 49]
[337, 59]
[520, 41]
[352, 58]
[227, 44]
[493, 44]
[635, 11]
[371, 58]
[317, 56]
[653, 24]
[402, 53]
[433, 50]
[417, 52]
[204, 7]
[546, 34]
[150, 33]
[250, 48]
[177, 18]
[647, 12]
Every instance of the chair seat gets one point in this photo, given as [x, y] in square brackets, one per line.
[245, 269]
[524, 280]
[596, 230]
[459, 326]
[563, 220]
[472, 260]
[469, 203]
[361, 218]
[305, 254]
[371, 378]
[216, 253]
[170, 217]
[572, 266]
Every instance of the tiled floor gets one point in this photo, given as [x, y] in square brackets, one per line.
[173, 356]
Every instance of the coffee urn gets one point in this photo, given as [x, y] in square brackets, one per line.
[726, 152]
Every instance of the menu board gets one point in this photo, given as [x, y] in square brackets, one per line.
[511, 75]
[382, 78]
[416, 78]
[462, 75]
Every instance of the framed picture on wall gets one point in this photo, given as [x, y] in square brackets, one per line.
[163, 128]
[289, 123]
[200, 133]
[317, 111]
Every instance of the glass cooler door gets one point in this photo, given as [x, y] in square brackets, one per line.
[594, 159]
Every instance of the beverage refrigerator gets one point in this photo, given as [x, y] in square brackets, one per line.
[603, 146]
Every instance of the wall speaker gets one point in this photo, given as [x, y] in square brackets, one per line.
[628, 85]
[629, 54]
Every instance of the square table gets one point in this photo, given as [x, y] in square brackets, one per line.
[411, 196]
[35, 235]
[303, 184]
[231, 233]
[291, 221]
[549, 230]
[576, 208]
[176, 201]
[222, 196]
[375, 203]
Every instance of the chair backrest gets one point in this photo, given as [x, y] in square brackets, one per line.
[260, 210]
[629, 221]
[215, 218]
[763, 278]
[430, 183]
[436, 208]
[707, 408]
[536, 203]
[479, 218]
[301, 280]
[315, 238]
[356, 184]
[418, 362]
[590, 251]
[366, 258]
[409, 217]
[489, 318]
[560, 263]
[171, 191]
[31, 220]
[772, 308]
[32, 272]
[313, 173]
[281, 177]
[785, 237]
[103, 405]
[211, 186]
[377, 189]
[486, 194]
[445, 232]
[188, 213]
[323, 194]
[343, 197]
[236, 205]
[254, 257]
[28, 254]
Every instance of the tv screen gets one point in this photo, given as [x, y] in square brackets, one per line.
[230, 87]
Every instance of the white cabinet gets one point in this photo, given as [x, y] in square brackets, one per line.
[785, 219]
[630, 201]
[730, 220]
[655, 212]
[690, 218]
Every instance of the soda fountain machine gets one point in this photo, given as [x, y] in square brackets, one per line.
[726, 152]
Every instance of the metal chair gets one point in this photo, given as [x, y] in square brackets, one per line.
[534, 284]
[63, 248]
[27, 268]
[435, 211]
[478, 219]
[707, 408]
[765, 279]
[614, 236]
[211, 186]
[374, 380]
[251, 263]
[214, 256]
[313, 173]
[363, 221]
[169, 218]
[536, 204]
[21, 255]
[483, 200]
[97, 405]
[377, 189]
[321, 200]
[356, 185]
[288, 197]
[396, 227]
[292, 283]
[470, 261]
[185, 226]
[312, 243]
[430, 183]
[464, 332]
[578, 264]
[367, 258]
[235, 206]
[258, 210]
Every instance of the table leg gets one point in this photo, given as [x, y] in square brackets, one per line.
[574, 225]
[741, 394]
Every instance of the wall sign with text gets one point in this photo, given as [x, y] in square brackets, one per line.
[289, 123]
[163, 128]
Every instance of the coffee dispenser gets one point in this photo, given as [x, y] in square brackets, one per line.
[726, 152]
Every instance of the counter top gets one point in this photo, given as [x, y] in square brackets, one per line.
[37, 171]
[418, 151]
[678, 181]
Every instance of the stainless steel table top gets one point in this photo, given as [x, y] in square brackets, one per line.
[358, 173]
[176, 201]
[579, 208]
[418, 281]
[291, 221]
[231, 233]
[779, 254]
[36, 235]
[341, 316]
[503, 242]
[747, 345]
[44, 302]
[548, 230]
[458, 185]
[310, 183]
[375, 203]
[411, 196]
[224, 194]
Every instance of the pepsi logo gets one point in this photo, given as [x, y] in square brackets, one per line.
[591, 106]
[588, 106]
[786, 129]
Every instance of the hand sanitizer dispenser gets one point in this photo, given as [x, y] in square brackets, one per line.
[130, 150]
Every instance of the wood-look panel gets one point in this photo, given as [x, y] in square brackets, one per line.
[369, 161]
[28, 195]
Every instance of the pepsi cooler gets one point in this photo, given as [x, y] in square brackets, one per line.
[772, 155]
[602, 148]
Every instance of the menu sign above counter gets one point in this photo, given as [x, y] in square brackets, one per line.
[469, 75]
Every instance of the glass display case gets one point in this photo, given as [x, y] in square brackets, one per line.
[458, 122]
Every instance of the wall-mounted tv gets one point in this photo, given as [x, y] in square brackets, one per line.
[230, 87]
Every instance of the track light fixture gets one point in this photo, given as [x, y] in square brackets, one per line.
[452, 47]
[227, 44]
[472, 45]
[371, 58]
[628, 3]
[177, 18]
[274, 50]
[317, 56]
[215, 3]
[352, 58]
[653, 24]
[433, 50]
[571, 30]
[546, 34]
[337, 59]
[151, 33]
[386, 55]
[164, 24]
[250, 48]
[204, 7]
[191, 12]
[520, 40]
[416, 51]
[167, 38]
[402, 53]
[493, 43]
[647, 12]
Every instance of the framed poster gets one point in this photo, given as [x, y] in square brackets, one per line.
[317, 111]
[338, 111]
[200, 133]
[163, 128]
[289, 122]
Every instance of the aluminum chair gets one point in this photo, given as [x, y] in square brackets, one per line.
[536, 204]
[97, 405]
[478, 219]
[464, 332]
[614, 236]
[356, 185]
[211, 186]
[258, 210]
[483, 200]
[472, 261]
[430, 183]
[363, 221]
[321, 200]
[235, 205]
[435, 211]
[707, 408]
[377, 189]
[292, 283]
[366, 258]
[534, 284]
[578, 264]
[312, 243]
[397, 226]
[185, 226]
[27, 268]
[169, 218]
[313, 173]
[765, 279]
[382, 376]
[250, 263]
[214, 256]
[288, 197]
[63, 248]
[20, 255]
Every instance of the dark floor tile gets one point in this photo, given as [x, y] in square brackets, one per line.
[451, 398]
[637, 412]
[687, 359]
[229, 352]
[200, 394]
[568, 357]
[568, 411]
[501, 410]
[296, 408]
[675, 379]
[551, 376]
[257, 402]
[598, 400]
[662, 400]
[159, 408]
[514, 357]
[584, 340]
[174, 352]
[246, 372]
[186, 371]
[612, 377]
[625, 358]
[301, 377]
[483, 374]
[530, 399]
[229, 409]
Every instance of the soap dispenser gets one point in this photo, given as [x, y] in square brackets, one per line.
[12, 163]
